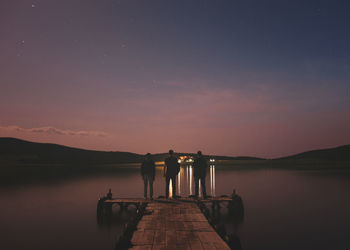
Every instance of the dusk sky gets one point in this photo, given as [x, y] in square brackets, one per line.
[228, 77]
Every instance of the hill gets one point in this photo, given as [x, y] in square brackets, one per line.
[341, 153]
[20, 151]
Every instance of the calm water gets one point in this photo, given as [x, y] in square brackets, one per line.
[283, 209]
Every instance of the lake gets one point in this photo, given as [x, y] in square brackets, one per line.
[284, 209]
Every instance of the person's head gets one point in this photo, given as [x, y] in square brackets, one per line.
[148, 156]
[199, 153]
[171, 152]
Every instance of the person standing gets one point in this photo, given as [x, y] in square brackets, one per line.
[171, 169]
[148, 173]
[200, 172]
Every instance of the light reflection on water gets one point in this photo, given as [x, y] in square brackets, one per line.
[185, 182]
[212, 180]
[190, 178]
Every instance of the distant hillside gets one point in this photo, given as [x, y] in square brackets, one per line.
[26, 152]
[341, 153]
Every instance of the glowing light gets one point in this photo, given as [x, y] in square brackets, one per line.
[187, 177]
[212, 180]
[179, 183]
[190, 167]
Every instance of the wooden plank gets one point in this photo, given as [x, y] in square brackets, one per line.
[195, 244]
[175, 225]
[170, 238]
[185, 246]
[202, 226]
[171, 247]
[159, 238]
[159, 247]
[142, 247]
[209, 246]
[145, 237]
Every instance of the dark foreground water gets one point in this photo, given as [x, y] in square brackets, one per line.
[283, 209]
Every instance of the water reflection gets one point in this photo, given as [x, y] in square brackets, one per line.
[179, 181]
[190, 178]
[212, 180]
[284, 209]
[185, 181]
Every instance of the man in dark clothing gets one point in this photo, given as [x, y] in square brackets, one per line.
[199, 173]
[171, 169]
[148, 173]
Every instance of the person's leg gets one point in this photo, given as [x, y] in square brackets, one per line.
[196, 185]
[203, 187]
[173, 180]
[145, 186]
[167, 180]
[151, 187]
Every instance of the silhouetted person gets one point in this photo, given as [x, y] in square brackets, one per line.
[148, 173]
[109, 194]
[171, 169]
[200, 172]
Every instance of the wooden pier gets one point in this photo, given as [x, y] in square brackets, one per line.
[173, 224]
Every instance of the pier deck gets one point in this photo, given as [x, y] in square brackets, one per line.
[175, 224]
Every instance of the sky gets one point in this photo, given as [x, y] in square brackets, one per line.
[229, 77]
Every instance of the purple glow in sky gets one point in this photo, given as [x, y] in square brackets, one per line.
[258, 78]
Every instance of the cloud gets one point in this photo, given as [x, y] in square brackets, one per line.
[53, 130]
